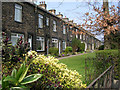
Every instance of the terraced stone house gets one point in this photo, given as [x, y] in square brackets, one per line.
[42, 28]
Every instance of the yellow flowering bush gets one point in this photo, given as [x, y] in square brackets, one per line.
[55, 74]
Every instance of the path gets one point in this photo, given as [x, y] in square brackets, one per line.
[71, 56]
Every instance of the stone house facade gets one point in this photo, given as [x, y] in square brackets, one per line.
[41, 28]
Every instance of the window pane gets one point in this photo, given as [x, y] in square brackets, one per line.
[13, 34]
[80, 37]
[14, 40]
[67, 29]
[40, 43]
[40, 21]
[54, 42]
[30, 41]
[76, 33]
[64, 30]
[40, 16]
[64, 45]
[18, 13]
[18, 6]
[15, 37]
[47, 21]
[54, 25]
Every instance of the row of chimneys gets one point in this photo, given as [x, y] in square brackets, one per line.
[53, 11]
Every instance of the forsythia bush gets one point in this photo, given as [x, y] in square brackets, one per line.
[55, 74]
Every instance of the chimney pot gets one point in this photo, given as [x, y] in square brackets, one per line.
[60, 15]
[71, 21]
[53, 11]
[43, 5]
[66, 19]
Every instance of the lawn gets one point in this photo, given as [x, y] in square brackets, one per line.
[77, 63]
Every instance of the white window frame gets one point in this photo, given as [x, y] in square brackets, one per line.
[71, 35]
[16, 35]
[76, 33]
[47, 21]
[80, 36]
[64, 43]
[71, 31]
[43, 40]
[67, 29]
[54, 40]
[18, 13]
[87, 37]
[83, 36]
[30, 41]
[40, 21]
[64, 29]
[70, 27]
[54, 26]
[1, 39]
[92, 40]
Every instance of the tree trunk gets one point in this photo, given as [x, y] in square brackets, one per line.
[106, 37]
[107, 44]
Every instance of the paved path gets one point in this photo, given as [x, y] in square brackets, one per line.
[71, 56]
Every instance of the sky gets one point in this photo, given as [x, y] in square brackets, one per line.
[75, 9]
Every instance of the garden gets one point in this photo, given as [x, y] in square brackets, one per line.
[24, 69]
[77, 48]
[77, 63]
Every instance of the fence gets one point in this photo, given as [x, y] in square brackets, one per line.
[105, 80]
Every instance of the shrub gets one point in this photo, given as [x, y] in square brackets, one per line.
[63, 54]
[101, 47]
[114, 45]
[18, 79]
[82, 47]
[105, 58]
[54, 51]
[12, 56]
[75, 53]
[55, 74]
[98, 64]
[81, 51]
[13, 53]
[68, 49]
[76, 45]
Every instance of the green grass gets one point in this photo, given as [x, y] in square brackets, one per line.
[77, 63]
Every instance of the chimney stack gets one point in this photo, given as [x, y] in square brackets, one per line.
[60, 15]
[71, 21]
[75, 24]
[43, 5]
[53, 11]
[66, 19]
